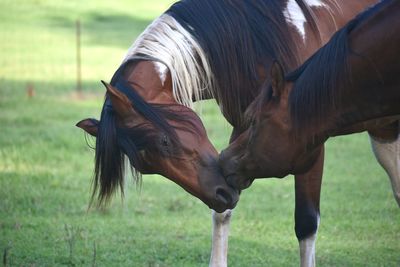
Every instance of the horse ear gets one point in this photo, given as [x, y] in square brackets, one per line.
[90, 126]
[277, 79]
[120, 102]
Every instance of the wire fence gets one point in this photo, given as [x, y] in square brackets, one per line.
[51, 46]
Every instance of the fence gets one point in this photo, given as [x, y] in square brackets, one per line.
[52, 46]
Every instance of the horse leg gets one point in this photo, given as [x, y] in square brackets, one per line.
[385, 144]
[220, 234]
[219, 250]
[307, 191]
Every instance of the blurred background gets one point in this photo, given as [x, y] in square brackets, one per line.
[53, 55]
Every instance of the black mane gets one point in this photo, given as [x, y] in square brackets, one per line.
[318, 81]
[114, 142]
[238, 36]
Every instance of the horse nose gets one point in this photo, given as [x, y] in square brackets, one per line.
[227, 196]
[228, 166]
[227, 163]
[223, 196]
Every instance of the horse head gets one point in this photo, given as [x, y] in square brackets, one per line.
[142, 120]
[269, 147]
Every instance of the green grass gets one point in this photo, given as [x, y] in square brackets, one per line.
[46, 168]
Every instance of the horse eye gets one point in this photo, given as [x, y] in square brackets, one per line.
[164, 140]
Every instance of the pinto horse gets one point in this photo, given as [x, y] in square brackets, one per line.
[201, 50]
[350, 85]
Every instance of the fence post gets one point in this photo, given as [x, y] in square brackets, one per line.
[78, 57]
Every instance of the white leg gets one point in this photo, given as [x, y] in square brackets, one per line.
[307, 250]
[219, 250]
[388, 155]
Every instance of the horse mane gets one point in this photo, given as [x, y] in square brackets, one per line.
[237, 37]
[319, 82]
[167, 42]
[113, 143]
[213, 48]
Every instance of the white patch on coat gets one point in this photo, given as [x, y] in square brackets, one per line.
[165, 40]
[316, 3]
[295, 16]
[162, 71]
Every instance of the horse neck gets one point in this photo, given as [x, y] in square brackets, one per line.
[373, 89]
[337, 13]
[328, 16]
[151, 81]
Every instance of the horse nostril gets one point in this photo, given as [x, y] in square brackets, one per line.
[223, 196]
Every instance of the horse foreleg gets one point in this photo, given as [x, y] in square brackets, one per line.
[307, 190]
[219, 250]
[385, 143]
[307, 251]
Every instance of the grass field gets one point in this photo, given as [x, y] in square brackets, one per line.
[46, 167]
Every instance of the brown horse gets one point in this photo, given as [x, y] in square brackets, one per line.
[199, 50]
[350, 85]
[163, 138]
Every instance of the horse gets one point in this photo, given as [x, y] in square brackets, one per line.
[211, 49]
[348, 86]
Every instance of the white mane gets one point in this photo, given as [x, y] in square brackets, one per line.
[166, 41]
